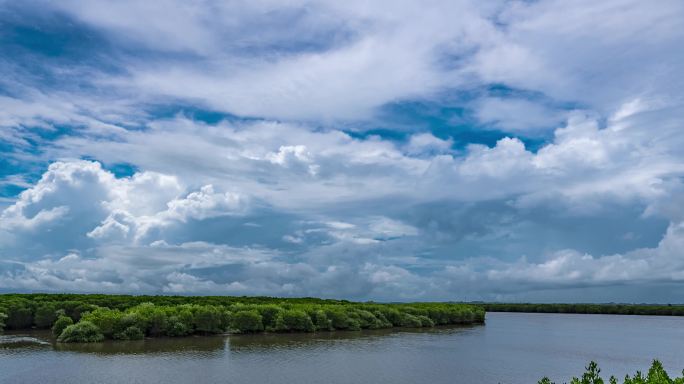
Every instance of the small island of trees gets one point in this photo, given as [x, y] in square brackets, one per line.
[94, 318]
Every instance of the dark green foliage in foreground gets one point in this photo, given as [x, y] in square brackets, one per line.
[655, 375]
[121, 317]
[608, 309]
[83, 332]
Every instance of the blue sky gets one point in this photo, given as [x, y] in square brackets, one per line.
[518, 151]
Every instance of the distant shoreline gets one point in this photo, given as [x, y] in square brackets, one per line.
[595, 309]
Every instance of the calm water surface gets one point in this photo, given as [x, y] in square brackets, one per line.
[511, 348]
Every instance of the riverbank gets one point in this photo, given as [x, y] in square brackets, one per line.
[94, 318]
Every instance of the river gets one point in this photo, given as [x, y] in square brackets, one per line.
[510, 348]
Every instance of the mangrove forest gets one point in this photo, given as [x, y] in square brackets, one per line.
[94, 318]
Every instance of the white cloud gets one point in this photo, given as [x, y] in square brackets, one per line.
[517, 115]
[83, 202]
[205, 204]
[427, 144]
[293, 156]
[349, 69]
[584, 166]
[663, 263]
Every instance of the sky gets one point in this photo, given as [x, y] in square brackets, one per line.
[390, 151]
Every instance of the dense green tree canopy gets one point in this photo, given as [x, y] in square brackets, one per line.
[79, 318]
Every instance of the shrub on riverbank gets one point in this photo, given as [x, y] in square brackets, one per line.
[293, 320]
[108, 321]
[129, 317]
[656, 375]
[82, 332]
[211, 319]
[130, 333]
[2, 321]
[60, 324]
[247, 321]
[269, 315]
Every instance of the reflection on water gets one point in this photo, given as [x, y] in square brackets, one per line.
[215, 343]
[277, 341]
[511, 348]
[149, 346]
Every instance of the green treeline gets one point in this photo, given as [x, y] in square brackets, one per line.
[608, 309]
[92, 318]
[656, 375]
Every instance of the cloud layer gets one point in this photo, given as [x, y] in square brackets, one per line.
[451, 151]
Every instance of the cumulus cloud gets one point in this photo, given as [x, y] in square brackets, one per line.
[379, 247]
[427, 144]
[78, 202]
